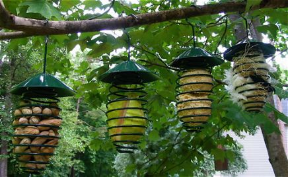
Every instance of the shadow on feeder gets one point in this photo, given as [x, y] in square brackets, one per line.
[127, 120]
[249, 79]
[194, 85]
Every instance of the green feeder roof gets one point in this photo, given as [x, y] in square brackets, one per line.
[196, 57]
[268, 50]
[42, 84]
[128, 72]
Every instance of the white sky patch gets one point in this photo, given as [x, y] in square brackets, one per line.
[202, 2]
[282, 61]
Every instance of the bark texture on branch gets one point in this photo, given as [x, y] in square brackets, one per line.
[33, 27]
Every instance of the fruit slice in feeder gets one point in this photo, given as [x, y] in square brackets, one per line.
[36, 120]
[127, 120]
[249, 80]
[194, 86]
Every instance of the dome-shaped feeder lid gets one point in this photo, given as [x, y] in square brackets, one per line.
[128, 72]
[196, 57]
[41, 85]
[268, 50]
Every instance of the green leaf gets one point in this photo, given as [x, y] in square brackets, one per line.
[11, 6]
[282, 94]
[278, 114]
[68, 4]
[271, 29]
[251, 3]
[218, 154]
[154, 135]
[98, 50]
[92, 4]
[42, 7]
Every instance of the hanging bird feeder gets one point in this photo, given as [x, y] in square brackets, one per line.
[221, 165]
[126, 114]
[249, 80]
[36, 120]
[194, 85]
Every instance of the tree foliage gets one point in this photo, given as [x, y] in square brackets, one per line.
[166, 150]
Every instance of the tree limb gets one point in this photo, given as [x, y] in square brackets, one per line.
[33, 27]
[13, 35]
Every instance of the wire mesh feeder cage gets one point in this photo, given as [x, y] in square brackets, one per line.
[221, 165]
[194, 85]
[249, 80]
[126, 115]
[36, 121]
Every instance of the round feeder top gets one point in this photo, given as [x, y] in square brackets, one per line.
[268, 50]
[128, 72]
[196, 57]
[42, 84]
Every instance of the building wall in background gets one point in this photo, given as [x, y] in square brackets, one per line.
[255, 151]
[256, 156]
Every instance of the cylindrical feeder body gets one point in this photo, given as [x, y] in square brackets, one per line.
[126, 115]
[36, 122]
[36, 125]
[249, 80]
[194, 86]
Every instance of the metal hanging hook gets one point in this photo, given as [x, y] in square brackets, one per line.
[45, 49]
[193, 32]
[128, 43]
[45, 54]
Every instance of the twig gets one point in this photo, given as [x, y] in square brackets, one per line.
[246, 26]
[217, 22]
[97, 16]
[157, 56]
[223, 35]
[220, 82]
[172, 146]
[188, 156]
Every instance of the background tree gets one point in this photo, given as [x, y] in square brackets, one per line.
[167, 150]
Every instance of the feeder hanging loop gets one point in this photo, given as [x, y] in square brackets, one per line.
[45, 49]
[45, 53]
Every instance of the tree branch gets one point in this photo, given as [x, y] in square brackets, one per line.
[4, 14]
[33, 27]
[13, 35]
